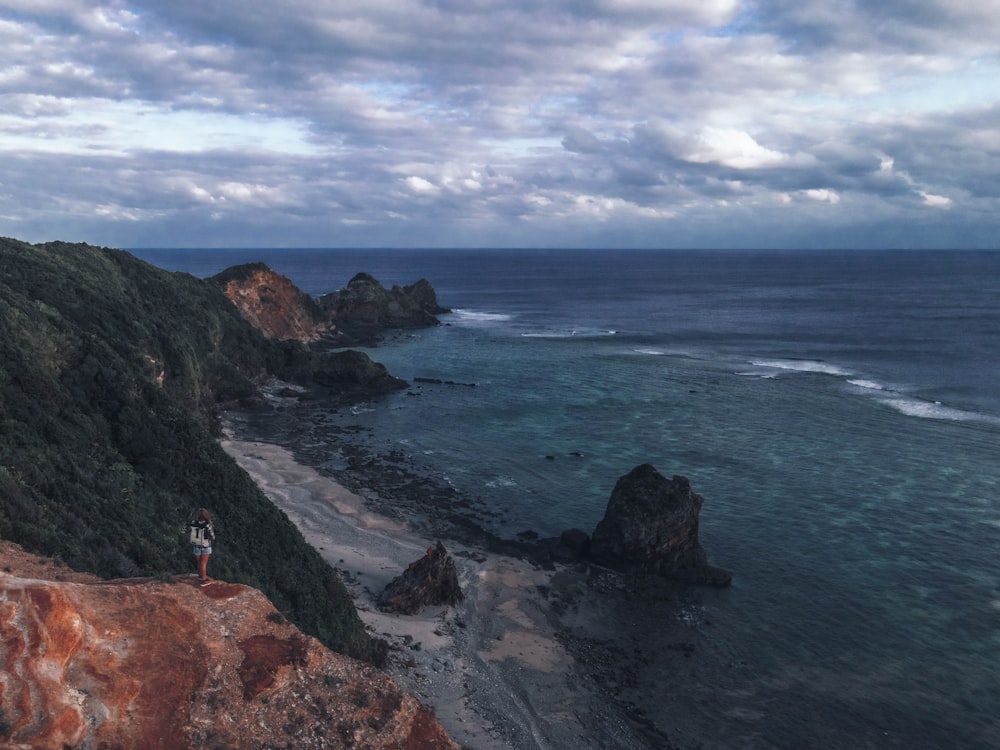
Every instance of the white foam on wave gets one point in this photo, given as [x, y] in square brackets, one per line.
[651, 352]
[478, 316]
[913, 407]
[568, 334]
[549, 335]
[885, 394]
[867, 384]
[801, 365]
[502, 481]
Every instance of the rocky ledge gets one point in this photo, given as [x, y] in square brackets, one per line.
[356, 315]
[364, 309]
[168, 664]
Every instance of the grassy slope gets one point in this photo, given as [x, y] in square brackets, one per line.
[110, 370]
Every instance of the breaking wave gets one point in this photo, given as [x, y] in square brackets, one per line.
[882, 393]
[478, 317]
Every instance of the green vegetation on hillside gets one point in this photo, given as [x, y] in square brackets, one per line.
[111, 374]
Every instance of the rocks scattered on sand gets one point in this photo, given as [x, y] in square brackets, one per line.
[429, 581]
[651, 524]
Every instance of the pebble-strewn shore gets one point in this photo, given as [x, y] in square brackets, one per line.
[535, 657]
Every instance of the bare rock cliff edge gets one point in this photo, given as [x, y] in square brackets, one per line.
[356, 315]
[273, 304]
[147, 663]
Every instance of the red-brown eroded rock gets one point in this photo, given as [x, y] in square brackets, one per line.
[143, 663]
[273, 304]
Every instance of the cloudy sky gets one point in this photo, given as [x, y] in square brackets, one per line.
[466, 123]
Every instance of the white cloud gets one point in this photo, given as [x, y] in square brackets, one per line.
[824, 195]
[64, 125]
[421, 186]
[733, 148]
[936, 201]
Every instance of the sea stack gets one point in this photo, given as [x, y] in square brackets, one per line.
[651, 525]
[429, 581]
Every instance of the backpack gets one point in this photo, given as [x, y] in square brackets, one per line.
[199, 536]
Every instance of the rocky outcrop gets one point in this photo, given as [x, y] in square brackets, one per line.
[146, 663]
[431, 580]
[364, 308]
[354, 316]
[273, 304]
[651, 524]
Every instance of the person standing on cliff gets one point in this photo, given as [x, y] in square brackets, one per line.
[202, 534]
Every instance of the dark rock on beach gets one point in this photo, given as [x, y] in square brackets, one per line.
[576, 541]
[429, 581]
[651, 525]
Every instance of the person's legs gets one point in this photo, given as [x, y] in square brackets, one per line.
[203, 566]
[201, 560]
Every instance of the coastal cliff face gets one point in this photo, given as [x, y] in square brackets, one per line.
[273, 304]
[166, 664]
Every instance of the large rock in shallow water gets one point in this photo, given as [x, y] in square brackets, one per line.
[651, 523]
[428, 581]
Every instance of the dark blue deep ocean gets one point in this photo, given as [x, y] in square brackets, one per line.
[838, 411]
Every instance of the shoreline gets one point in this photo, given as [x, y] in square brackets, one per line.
[532, 658]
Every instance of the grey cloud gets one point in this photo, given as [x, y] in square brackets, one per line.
[433, 122]
[581, 141]
[910, 25]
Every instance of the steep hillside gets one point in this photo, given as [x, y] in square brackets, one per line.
[111, 372]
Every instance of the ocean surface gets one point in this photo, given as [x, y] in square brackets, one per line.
[839, 413]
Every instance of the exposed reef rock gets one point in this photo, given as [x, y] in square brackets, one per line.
[431, 580]
[651, 524]
[146, 663]
[273, 304]
[364, 308]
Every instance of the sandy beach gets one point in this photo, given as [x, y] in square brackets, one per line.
[497, 669]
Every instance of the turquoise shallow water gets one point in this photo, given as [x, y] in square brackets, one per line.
[839, 413]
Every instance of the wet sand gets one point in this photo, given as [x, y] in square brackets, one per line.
[529, 659]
